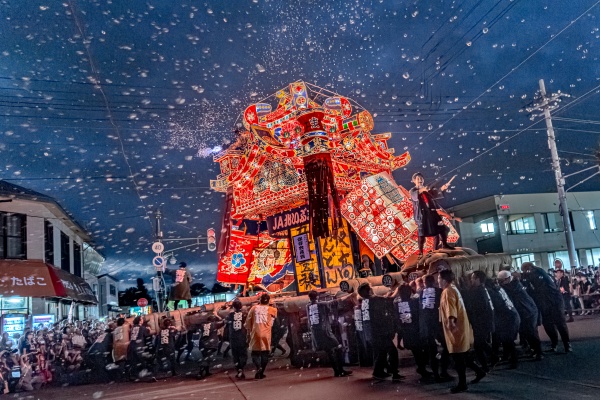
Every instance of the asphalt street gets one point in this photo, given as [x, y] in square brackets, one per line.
[558, 376]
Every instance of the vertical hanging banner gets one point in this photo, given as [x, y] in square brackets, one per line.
[234, 265]
[307, 272]
[301, 247]
[336, 253]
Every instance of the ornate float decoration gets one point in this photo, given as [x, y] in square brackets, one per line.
[306, 148]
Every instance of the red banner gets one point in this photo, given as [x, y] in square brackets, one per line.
[235, 264]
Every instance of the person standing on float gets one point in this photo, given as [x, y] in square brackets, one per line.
[428, 214]
[181, 285]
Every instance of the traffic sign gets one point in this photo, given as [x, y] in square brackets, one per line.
[158, 262]
[142, 302]
[158, 247]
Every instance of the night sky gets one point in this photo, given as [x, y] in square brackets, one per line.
[115, 108]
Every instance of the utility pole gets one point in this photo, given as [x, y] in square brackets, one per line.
[546, 104]
[159, 285]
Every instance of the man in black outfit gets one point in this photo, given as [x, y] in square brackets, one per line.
[506, 323]
[381, 314]
[238, 339]
[426, 213]
[550, 302]
[430, 328]
[528, 311]
[100, 354]
[323, 339]
[481, 315]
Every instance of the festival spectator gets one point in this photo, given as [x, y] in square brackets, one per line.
[6, 343]
[563, 284]
[585, 289]
[26, 342]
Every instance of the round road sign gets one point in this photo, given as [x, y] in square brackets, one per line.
[158, 261]
[142, 302]
[158, 247]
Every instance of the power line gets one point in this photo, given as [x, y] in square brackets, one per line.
[108, 108]
[510, 72]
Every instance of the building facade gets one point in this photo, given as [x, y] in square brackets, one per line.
[529, 227]
[108, 293]
[43, 254]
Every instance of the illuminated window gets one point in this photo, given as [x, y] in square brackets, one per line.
[591, 219]
[520, 224]
[487, 227]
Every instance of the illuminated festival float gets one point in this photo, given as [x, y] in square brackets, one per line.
[307, 166]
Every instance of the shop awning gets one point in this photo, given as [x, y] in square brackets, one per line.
[34, 278]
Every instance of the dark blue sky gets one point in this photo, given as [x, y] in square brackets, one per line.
[114, 107]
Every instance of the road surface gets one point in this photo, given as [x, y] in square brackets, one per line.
[558, 376]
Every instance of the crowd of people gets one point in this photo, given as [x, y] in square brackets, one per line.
[39, 356]
[440, 322]
[125, 349]
[438, 319]
[580, 289]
